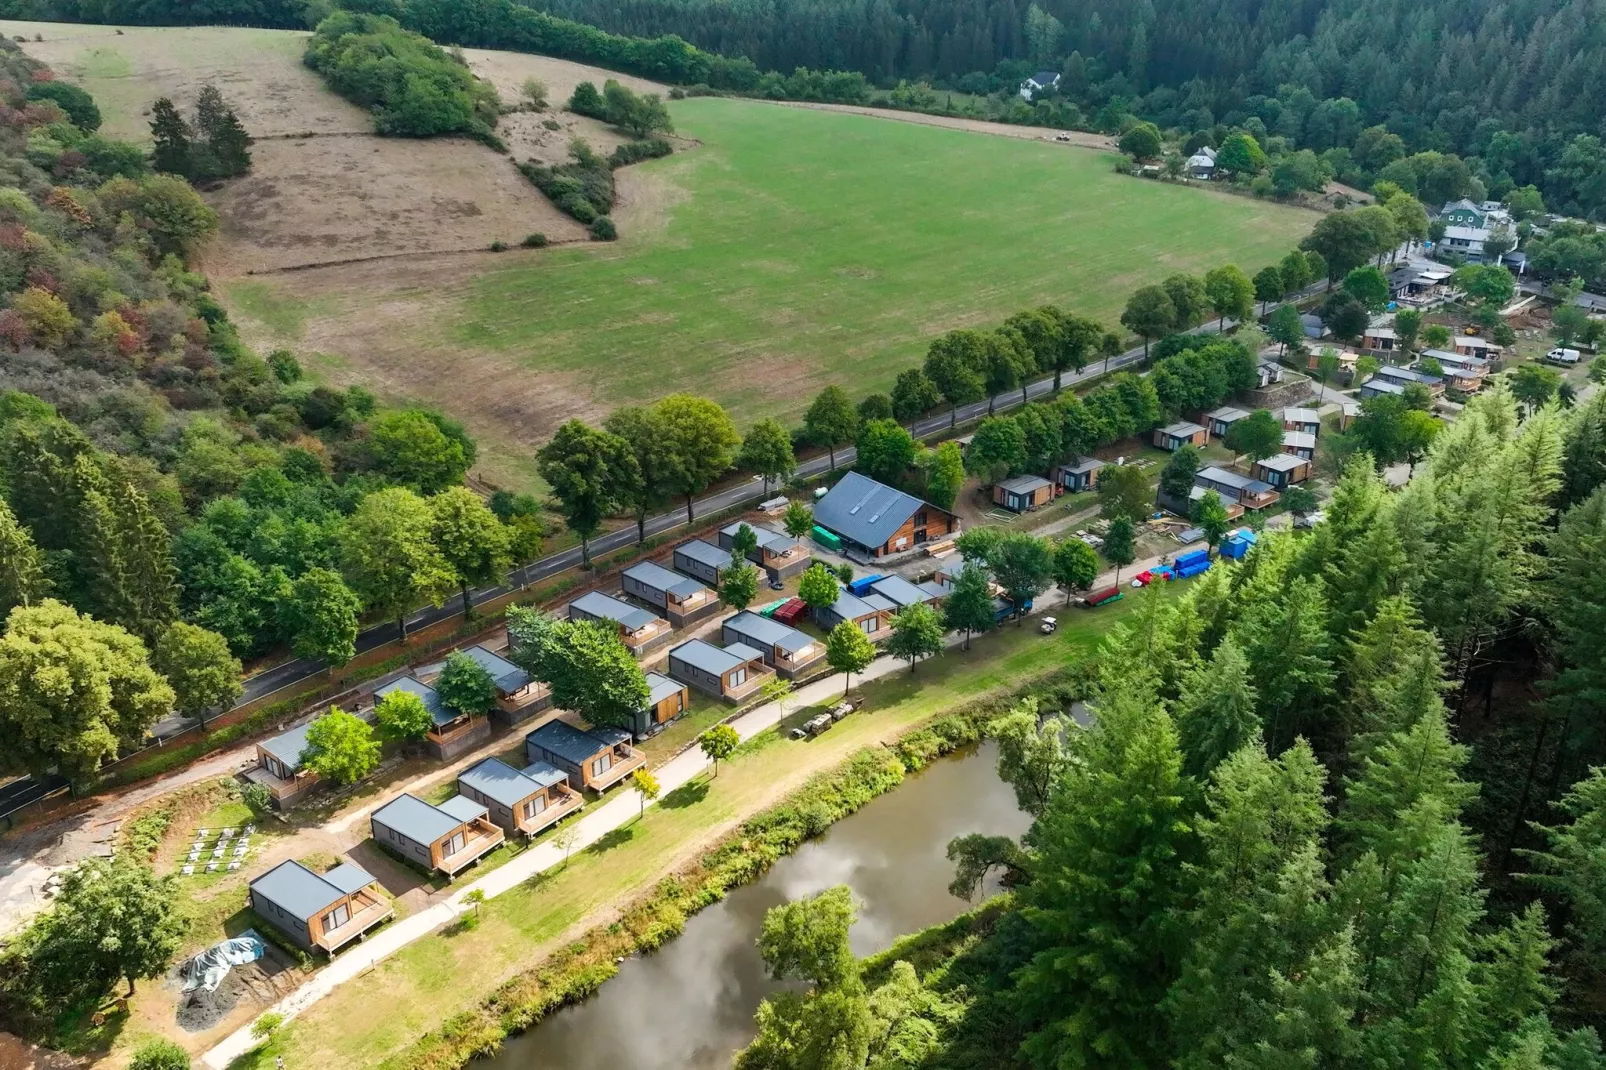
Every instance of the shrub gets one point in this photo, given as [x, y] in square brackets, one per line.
[258, 798]
[160, 1055]
[551, 124]
[602, 229]
[266, 1025]
[636, 151]
[79, 105]
[498, 246]
[534, 241]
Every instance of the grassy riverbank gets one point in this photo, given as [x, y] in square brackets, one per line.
[555, 938]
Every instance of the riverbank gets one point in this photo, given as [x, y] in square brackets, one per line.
[568, 918]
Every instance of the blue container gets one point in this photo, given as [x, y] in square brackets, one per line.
[862, 584]
[1192, 569]
[1189, 558]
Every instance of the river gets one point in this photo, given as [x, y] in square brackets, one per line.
[690, 1005]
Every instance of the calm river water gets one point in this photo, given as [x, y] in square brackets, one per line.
[690, 1005]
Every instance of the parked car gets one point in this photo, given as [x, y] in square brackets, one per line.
[1049, 626]
[1561, 355]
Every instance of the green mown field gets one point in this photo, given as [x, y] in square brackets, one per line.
[796, 248]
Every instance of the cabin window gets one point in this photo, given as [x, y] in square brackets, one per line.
[868, 625]
[739, 677]
[453, 845]
[601, 764]
[337, 917]
[535, 806]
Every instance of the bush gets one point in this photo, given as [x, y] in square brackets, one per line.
[534, 241]
[636, 151]
[258, 798]
[498, 246]
[551, 124]
[602, 229]
[267, 1025]
[160, 1055]
[79, 105]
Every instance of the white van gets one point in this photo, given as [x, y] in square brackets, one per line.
[1562, 356]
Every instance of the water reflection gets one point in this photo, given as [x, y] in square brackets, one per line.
[689, 1006]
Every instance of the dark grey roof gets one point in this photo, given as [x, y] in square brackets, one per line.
[1383, 386]
[544, 773]
[1083, 464]
[704, 553]
[287, 746]
[497, 780]
[773, 541]
[508, 676]
[462, 808]
[349, 877]
[610, 737]
[1460, 360]
[1025, 484]
[416, 819]
[660, 687]
[432, 700]
[879, 602]
[1045, 78]
[900, 591]
[864, 511]
[297, 890]
[660, 578]
[566, 741]
[597, 604]
[1409, 375]
[766, 632]
[701, 654]
[1233, 480]
[1181, 429]
[850, 606]
[1282, 462]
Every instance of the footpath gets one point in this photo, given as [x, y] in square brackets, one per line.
[597, 822]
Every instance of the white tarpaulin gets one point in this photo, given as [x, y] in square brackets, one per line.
[208, 969]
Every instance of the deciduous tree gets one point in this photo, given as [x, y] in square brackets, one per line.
[1120, 544]
[848, 650]
[767, 450]
[1149, 314]
[585, 663]
[969, 608]
[917, 633]
[471, 540]
[945, 475]
[700, 440]
[389, 555]
[718, 743]
[199, 667]
[1231, 294]
[818, 587]
[1023, 566]
[341, 747]
[831, 421]
[465, 685]
[885, 451]
[1076, 566]
[402, 717]
[592, 473]
[320, 617]
[1124, 490]
[1257, 436]
[914, 394]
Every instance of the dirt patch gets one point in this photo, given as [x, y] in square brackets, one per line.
[259, 71]
[17, 1054]
[324, 199]
[245, 992]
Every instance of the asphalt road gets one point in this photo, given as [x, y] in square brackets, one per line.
[292, 672]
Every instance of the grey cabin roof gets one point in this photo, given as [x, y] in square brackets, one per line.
[1181, 429]
[1460, 360]
[417, 819]
[507, 676]
[610, 737]
[901, 592]
[1293, 414]
[544, 773]
[864, 511]
[566, 741]
[1226, 414]
[849, 606]
[1083, 464]
[597, 604]
[438, 711]
[1282, 462]
[660, 578]
[303, 894]
[766, 632]
[1472, 341]
[287, 746]
[500, 782]
[462, 808]
[705, 553]
[1233, 480]
[1312, 325]
[1024, 484]
[660, 687]
[701, 654]
[1383, 386]
[1410, 376]
[1300, 440]
[773, 541]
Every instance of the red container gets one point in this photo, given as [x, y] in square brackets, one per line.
[791, 612]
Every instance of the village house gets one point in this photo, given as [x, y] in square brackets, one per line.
[1419, 284]
[703, 560]
[733, 673]
[1173, 437]
[1268, 372]
[1039, 84]
[1220, 420]
[1346, 362]
[785, 649]
[874, 520]
[642, 632]
[1468, 345]
[1313, 326]
[519, 696]
[597, 759]
[682, 599]
[1247, 492]
[903, 594]
[1379, 340]
[1404, 377]
[523, 801]
[1463, 373]
[1282, 470]
[279, 767]
[319, 911]
[1296, 418]
[1299, 444]
[451, 732]
[1023, 493]
[667, 701]
[1202, 164]
[871, 614]
[1376, 386]
[779, 555]
[1080, 475]
[447, 838]
[1479, 214]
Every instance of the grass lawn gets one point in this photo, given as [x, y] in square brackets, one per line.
[813, 247]
[365, 1021]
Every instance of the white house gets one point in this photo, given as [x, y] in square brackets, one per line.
[1041, 82]
[1202, 164]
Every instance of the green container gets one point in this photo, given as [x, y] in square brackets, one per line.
[826, 538]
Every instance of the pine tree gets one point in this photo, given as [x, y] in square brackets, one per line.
[1415, 765]
[1513, 974]
[1290, 651]
[1216, 710]
[145, 549]
[172, 137]
[22, 577]
[100, 581]
[227, 142]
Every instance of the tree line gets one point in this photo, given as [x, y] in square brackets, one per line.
[1302, 828]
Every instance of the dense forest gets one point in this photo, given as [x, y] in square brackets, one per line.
[1339, 806]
